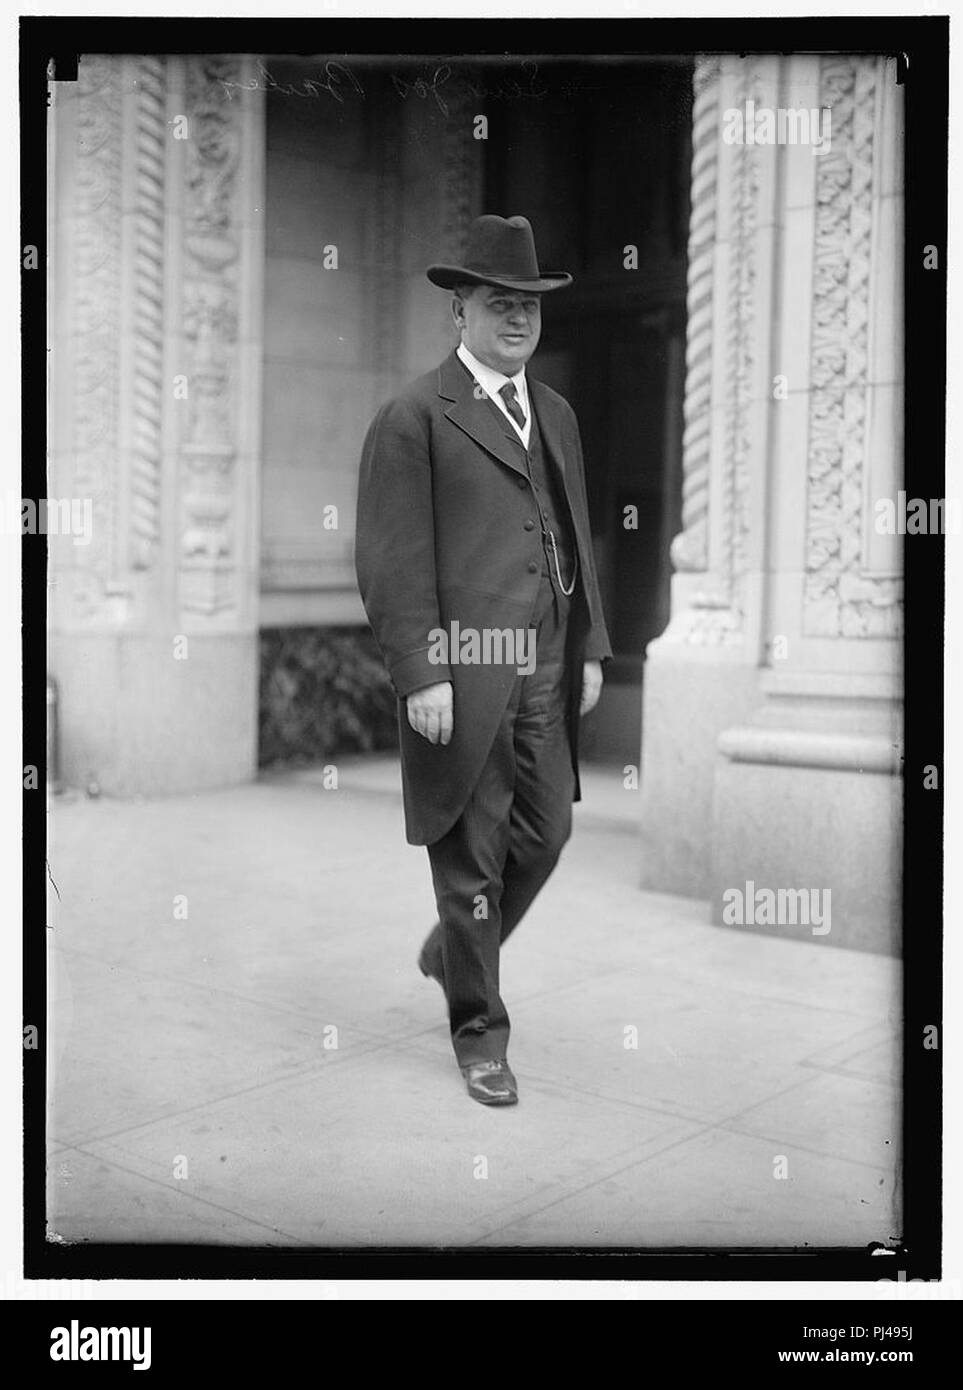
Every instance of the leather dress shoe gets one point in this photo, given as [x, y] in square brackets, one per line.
[429, 973]
[491, 1083]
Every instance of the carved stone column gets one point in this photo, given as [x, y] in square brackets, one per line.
[793, 431]
[157, 197]
[701, 674]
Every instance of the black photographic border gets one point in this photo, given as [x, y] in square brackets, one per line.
[51, 45]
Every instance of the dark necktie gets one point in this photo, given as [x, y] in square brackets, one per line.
[508, 395]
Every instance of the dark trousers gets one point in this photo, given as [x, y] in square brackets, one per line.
[489, 867]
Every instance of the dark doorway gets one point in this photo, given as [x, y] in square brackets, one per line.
[598, 160]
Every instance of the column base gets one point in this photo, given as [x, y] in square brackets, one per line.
[808, 796]
[690, 695]
[833, 831]
[133, 720]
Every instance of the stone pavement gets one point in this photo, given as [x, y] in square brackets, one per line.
[243, 1052]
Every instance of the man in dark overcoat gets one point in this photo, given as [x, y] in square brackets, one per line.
[474, 560]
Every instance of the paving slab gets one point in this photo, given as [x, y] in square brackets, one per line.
[389, 1152]
[147, 1047]
[90, 1198]
[839, 1116]
[638, 1040]
[719, 1189]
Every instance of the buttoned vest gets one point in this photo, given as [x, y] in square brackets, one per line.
[550, 501]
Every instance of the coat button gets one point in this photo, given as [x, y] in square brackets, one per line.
[529, 526]
[532, 567]
[523, 482]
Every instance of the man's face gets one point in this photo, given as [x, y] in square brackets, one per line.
[501, 327]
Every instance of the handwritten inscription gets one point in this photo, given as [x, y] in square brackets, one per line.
[334, 81]
[337, 80]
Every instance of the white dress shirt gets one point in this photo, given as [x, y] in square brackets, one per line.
[491, 383]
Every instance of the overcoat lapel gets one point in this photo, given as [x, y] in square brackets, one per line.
[481, 421]
[548, 422]
[477, 418]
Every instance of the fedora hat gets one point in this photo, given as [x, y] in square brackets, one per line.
[500, 251]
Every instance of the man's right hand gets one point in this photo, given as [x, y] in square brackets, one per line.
[430, 712]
